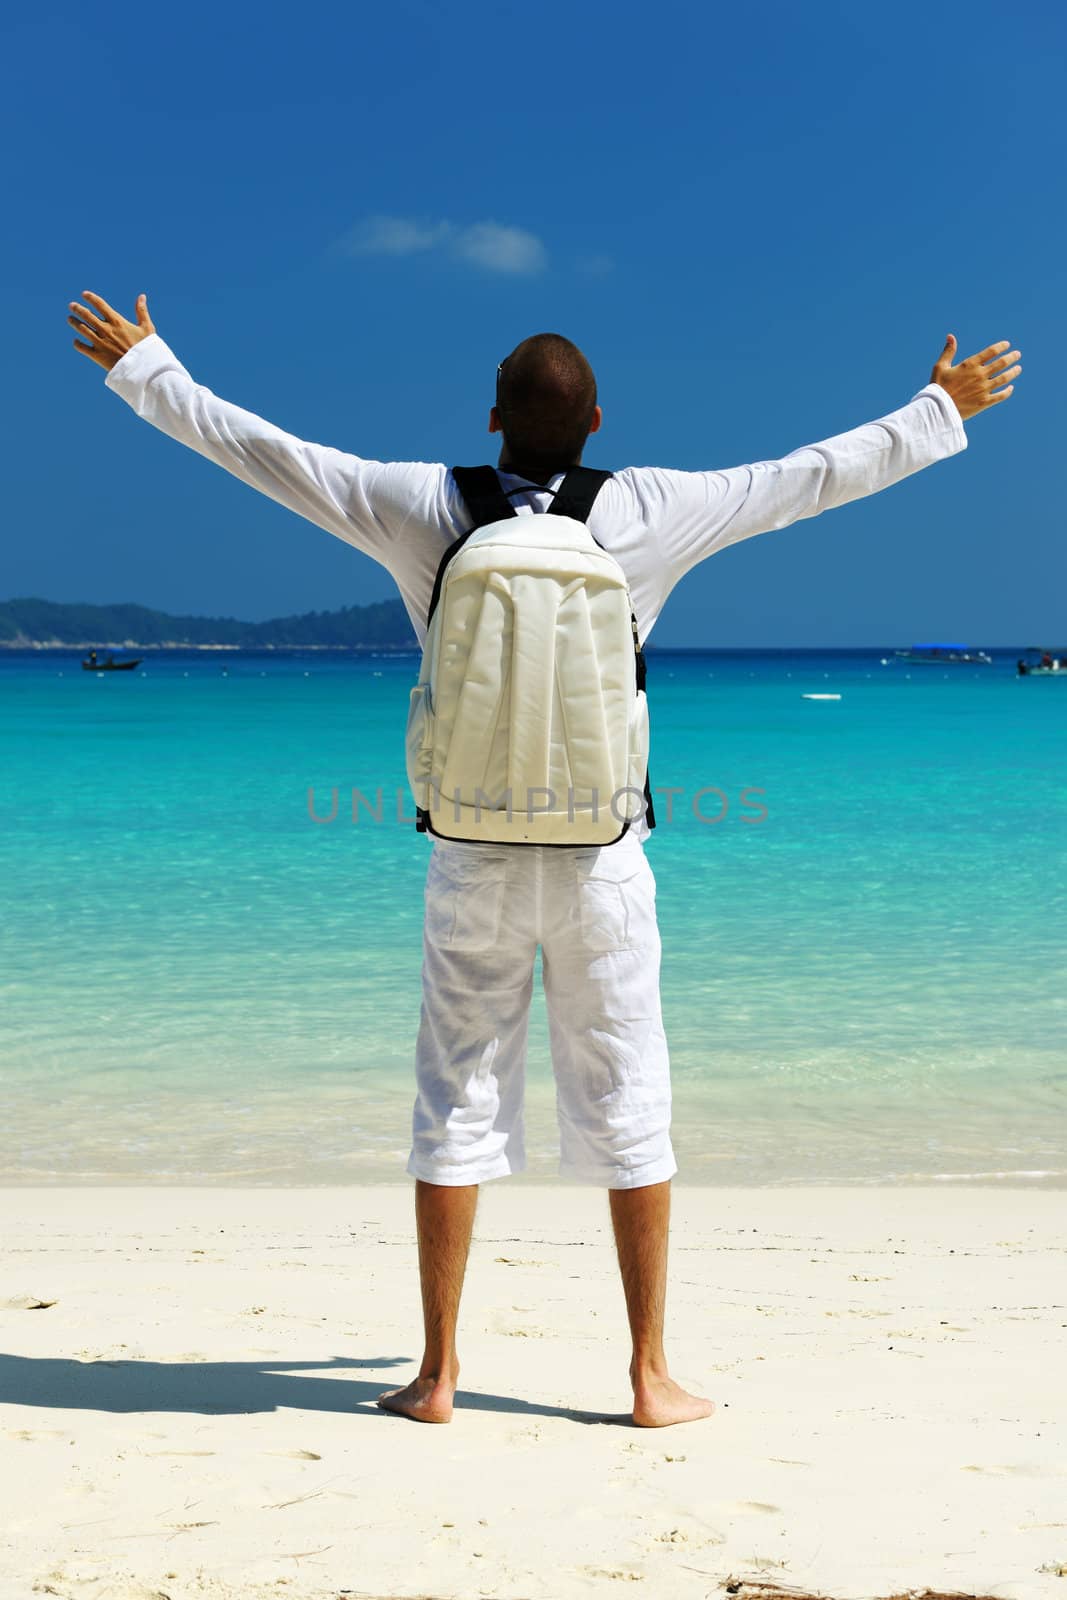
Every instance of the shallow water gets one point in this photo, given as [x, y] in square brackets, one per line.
[199, 983]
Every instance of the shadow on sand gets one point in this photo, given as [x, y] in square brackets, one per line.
[234, 1388]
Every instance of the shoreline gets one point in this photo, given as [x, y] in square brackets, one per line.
[190, 1403]
[986, 1183]
[28, 646]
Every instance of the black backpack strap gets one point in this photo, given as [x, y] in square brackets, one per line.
[575, 495]
[486, 500]
[641, 669]
[650, 812]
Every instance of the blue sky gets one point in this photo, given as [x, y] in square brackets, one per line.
[758, 222]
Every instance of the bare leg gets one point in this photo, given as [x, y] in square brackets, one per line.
[444, 1217]
[641, 1220]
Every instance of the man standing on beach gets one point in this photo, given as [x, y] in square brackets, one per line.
[488, 907]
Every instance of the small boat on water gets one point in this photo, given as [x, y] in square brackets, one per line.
[1048, 664]
[940, 655]
[92, 664]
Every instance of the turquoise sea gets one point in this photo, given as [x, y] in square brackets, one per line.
[865, 967]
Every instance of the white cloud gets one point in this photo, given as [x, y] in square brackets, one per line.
[394, 236]
[500, 249]
[491, 245]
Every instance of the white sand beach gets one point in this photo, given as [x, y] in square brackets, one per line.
[192, 1411]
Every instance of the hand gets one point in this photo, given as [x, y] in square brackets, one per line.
[110, 335]
[972, 382]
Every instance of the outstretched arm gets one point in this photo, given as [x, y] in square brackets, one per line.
[698, 513]
[382, 508]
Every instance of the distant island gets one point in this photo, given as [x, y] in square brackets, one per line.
[50, 624]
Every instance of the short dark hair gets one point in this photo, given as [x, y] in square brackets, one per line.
[546, 396]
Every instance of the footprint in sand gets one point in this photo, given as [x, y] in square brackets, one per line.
[505, 1326]
[689, 1541]
[35, 1433]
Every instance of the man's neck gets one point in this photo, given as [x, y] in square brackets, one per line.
[535, 473]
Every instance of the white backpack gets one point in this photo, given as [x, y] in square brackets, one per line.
[529, 724]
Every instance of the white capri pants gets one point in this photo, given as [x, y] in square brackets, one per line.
[593, 912]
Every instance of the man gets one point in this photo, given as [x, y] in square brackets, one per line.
[488, 907]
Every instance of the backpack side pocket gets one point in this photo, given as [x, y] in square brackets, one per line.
[419, 744]
[637, 762]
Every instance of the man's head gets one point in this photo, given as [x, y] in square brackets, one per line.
[545, 404]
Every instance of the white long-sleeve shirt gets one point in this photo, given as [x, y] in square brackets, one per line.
[657, 522]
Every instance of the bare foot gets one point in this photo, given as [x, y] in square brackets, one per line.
[660, 1401]
[423, 1400]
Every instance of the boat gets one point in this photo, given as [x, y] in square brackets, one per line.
[1049, 664]
[91, 664]
[940, 655]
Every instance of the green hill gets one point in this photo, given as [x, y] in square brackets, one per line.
[382, 626]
